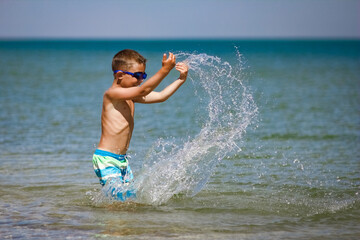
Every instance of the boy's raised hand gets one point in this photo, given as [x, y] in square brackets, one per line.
[168, 63]
[183, 69]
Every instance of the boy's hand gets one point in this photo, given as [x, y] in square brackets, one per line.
[169, 63]
[183, 69]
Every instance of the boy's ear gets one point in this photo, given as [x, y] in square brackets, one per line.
[118, 76]
[118, 79]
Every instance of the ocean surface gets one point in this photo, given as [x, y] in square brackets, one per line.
[261, 142]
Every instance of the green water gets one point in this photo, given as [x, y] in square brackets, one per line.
[284, 166]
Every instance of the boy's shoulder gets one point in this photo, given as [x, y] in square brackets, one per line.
[108, 96]
[108, 92]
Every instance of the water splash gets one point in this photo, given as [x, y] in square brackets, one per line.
[185, 168]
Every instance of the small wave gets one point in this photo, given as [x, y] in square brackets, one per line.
[296, 136]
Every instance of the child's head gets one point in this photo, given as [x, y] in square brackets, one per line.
[124, 60]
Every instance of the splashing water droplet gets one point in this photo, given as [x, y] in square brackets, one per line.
[186, 167]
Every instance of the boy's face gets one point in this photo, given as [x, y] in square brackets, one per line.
[130, 81]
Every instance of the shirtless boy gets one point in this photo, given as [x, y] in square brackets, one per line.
[117, 119]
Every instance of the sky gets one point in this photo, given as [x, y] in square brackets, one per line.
[185, 19]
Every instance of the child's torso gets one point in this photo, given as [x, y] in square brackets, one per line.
[117, 122]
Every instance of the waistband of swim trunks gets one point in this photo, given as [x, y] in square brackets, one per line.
[109, 154]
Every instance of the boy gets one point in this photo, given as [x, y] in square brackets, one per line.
[117, 118]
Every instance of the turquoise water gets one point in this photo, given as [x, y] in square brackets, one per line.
[262, 142]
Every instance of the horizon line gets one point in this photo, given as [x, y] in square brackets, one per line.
[3, 39]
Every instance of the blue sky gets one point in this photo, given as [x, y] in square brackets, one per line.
[180, 19]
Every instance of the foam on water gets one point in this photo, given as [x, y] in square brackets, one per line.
[184, 168]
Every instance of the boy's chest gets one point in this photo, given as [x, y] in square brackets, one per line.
[125, 108]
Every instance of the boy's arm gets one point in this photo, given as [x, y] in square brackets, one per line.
[155, 97]
[146, 88]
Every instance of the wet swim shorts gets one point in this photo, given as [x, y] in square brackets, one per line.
[110, 165]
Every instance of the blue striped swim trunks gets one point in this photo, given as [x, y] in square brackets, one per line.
[110, 165]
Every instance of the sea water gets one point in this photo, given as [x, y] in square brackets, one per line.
[261, 142]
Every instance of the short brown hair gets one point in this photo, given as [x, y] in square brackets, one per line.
[122, 60]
